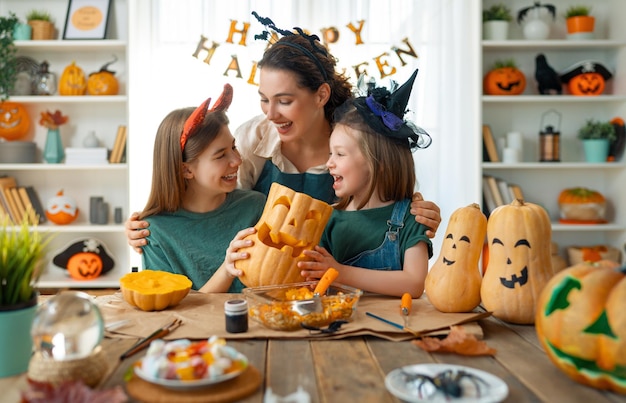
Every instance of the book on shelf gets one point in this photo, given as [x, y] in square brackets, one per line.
[490, 151]
[516, 192]
[119, 146]
[492, 182]
[33, 196]
[28, 206]
[489, 203]
[498, 192]
[21, 210]
[86, 155]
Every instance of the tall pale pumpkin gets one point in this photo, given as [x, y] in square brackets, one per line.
[453, 282]
[291, 222]
[520, 265]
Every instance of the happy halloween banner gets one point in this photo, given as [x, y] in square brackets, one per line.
[386, 63]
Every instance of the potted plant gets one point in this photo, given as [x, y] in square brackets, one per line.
[596, 136]
[22, 31]
[580, 23]
[21, 251]
[496, 21]
[41, 23]
[8, 71]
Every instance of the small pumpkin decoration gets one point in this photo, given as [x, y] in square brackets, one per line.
[61, 209]
[72, 81]
[14, 120]
[84, 260]
[151, 290]
[291, 222]
[103, 82]
[586, 78]
[453, 282]
[581, 323]
[504, 79]
[580, 204]
[519, 237]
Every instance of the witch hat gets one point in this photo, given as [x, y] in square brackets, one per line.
[399, 99]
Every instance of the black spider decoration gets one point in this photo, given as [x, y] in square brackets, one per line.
[522, 13]
[447, 382]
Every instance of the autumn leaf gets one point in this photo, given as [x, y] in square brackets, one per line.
[457, 342]
[52, 120]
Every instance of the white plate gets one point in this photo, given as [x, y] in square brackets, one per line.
[495, 389]
[187, 385]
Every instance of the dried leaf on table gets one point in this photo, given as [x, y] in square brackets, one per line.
[457, 341]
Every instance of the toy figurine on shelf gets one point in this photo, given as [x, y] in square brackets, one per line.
[535, 28]
[53, 152]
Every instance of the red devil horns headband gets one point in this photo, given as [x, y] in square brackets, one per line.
[192, 122]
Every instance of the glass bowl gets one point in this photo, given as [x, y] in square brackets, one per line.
[287, 306]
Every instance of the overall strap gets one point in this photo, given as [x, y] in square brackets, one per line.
[397, 215]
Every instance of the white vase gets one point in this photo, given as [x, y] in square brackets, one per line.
[495, 30]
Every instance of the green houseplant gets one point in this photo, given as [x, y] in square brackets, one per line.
[8, 70]
[497, 12]
[597, 136]
[21, 251]
[41, 23]
[496, 21]
[580, 23]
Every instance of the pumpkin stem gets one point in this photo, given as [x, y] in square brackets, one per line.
[105, 67]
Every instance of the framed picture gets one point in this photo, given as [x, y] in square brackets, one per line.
[87, 19]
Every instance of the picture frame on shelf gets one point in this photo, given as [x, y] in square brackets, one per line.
[87, 19]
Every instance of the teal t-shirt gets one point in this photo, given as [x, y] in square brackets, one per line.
[349, 233]
[194, 244]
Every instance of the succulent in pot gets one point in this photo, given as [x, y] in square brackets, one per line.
[597, 129]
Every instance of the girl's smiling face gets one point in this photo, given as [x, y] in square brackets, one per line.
[348, 165]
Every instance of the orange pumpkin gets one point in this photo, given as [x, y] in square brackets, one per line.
[103, 82]
[85, 266]
[582, 204]
[519, 237]
[72, 81]
[291, 222]
[453, 282]
[504, 79]
[581, 324]
[61, 209]
[587, 84]
[14, 120]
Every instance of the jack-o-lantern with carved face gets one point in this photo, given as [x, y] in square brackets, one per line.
[504, 79]
[291, 222]
[581, 323]
[586, 78]
[520, 264]
[85, 260]
[14, 120]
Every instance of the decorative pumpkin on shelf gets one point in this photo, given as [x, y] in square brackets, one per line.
[151, 290]
[581, 324]
[14, 120]
[519, 237]
[291, 222]
[456, 268]
[61, 209]
[103, 82]
[504, 79]
[86, 259]
[581, 205]
[72, 81]
[586, 78]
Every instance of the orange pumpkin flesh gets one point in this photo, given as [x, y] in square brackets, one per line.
[151, 290]
[453, 282]
[504, 81]
[581, 324]
[291, 222]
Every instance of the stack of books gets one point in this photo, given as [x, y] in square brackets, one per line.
[86, 156]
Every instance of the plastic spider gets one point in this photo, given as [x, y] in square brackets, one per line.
[447, 382]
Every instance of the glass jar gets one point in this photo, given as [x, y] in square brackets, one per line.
[236, 312]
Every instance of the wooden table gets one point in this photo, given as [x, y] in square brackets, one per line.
[354, 369]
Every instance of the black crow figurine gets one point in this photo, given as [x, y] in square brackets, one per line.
[548, 80]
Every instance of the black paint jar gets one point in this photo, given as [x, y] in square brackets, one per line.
[236, 312]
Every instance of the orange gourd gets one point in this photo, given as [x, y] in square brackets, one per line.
[581, 323]
[519, 237]
[453, 282]
[504, 79]
[151, 290]
[84, 266]
[14, 120]
[103, 82]
[291, 222]
[587, 84]
[72, 81]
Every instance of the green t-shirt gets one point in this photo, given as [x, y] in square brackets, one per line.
[349, 233]
[194, 244]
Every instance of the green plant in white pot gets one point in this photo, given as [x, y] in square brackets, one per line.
[596, 136]
[496, 21]
[21, 252]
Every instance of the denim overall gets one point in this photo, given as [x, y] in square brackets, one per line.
[318, 186]
[387, 255]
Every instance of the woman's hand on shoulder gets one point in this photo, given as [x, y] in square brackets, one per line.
[426, 213]
[233, 254]
[136, 232]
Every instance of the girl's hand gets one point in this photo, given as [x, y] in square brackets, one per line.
[426, 213]
[136, 232]
[321, 261]
[232, 253]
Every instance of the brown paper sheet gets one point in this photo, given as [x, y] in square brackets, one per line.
[203, 316]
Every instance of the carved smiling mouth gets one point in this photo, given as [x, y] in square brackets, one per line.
[515, 279]
[9, 125]
[448, 262]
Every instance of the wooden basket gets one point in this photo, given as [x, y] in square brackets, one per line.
[42, 29]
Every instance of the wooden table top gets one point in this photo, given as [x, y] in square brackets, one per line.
[354, 369]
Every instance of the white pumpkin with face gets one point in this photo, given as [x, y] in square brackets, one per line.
[61, 209]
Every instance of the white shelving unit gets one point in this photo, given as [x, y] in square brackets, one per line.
[543, 181]
[101, 114]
